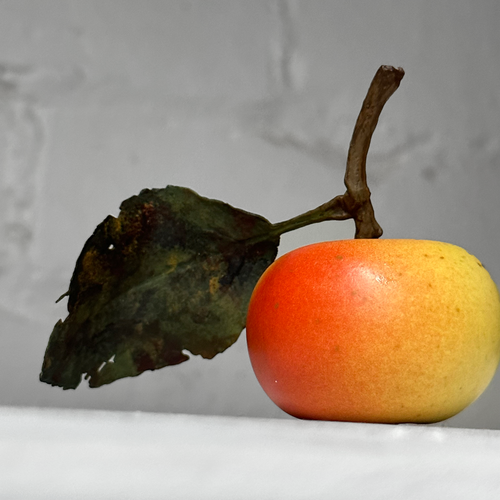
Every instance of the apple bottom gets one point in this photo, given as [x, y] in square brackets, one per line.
[396, 392]
[361, 382]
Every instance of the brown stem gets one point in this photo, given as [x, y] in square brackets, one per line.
[355, 202]
[357, 198]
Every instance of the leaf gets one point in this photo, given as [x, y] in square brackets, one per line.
[172, 273]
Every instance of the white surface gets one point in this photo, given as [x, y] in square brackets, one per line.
[251, 102]
[62, 454]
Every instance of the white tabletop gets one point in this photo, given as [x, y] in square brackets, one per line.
[72, 455]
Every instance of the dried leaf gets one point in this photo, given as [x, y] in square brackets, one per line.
[172, 273]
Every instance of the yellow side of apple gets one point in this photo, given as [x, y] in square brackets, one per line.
[375, 330]
[452, 325]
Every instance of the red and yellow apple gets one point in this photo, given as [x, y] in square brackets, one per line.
[375, 330]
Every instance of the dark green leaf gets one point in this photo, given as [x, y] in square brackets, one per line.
[172, 273]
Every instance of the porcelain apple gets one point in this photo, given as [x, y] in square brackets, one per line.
[375, 330]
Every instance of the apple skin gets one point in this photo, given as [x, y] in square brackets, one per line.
[386, 331]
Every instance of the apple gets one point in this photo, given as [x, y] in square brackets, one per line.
[375, 330]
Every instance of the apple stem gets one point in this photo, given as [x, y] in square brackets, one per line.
[355, 203]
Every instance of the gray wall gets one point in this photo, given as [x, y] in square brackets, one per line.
[249, 102]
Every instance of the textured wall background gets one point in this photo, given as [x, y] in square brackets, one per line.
[249, 102]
